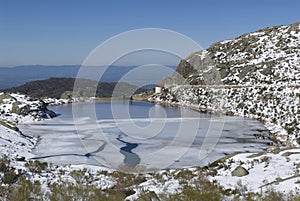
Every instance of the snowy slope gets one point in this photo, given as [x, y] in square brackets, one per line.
[256, 75]
[14, 144]
[15, 109]
[267, 56]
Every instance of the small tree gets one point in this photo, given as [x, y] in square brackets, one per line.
[9, 174]
[36, 166]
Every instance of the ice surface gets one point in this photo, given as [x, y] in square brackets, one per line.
[162, 142]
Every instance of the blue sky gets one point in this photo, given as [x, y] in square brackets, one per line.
[56, 32]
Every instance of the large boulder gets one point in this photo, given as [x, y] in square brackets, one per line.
[5, 96]
[273, 149]
[44, 112]
[23, 110]
[239, 172]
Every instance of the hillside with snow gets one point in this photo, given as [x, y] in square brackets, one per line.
[256, 75]
[14, 109]
[267, 56]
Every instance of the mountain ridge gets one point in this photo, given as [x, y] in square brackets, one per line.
[260, 57]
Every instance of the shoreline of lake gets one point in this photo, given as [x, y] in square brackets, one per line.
[64, 130]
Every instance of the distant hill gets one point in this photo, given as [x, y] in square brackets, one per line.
[56, 87]
[15, 76]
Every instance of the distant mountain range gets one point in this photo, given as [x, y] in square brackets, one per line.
[15, 76]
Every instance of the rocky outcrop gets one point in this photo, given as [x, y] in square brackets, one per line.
[5, 96]
[43, 112]
[15, 107]
[267, 56]
[239, 171]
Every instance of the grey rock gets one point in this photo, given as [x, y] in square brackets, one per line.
[232, 61]
[25, 110]
[5, 96]
[239, 172]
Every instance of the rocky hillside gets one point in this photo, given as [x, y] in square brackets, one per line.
[267, 56]
[63, 87]
[15, 108]
[256, 75]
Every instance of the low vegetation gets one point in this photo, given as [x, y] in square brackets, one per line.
[23, 185]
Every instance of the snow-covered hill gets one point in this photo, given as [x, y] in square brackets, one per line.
[267, 56]
[256, 75]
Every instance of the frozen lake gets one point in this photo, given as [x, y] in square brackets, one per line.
[140, 134]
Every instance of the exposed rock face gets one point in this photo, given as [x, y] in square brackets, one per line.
[5, 96]
[239, 172]
[267, 56]
[44, 112]
[41, 110]
[20, 110]
[68, 95]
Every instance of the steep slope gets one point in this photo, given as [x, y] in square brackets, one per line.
[256, 75]
[15, 145]
[267, 56]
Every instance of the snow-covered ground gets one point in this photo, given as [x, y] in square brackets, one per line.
[277, 107]
[279, 170]
[14, 144]
[258, 77]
